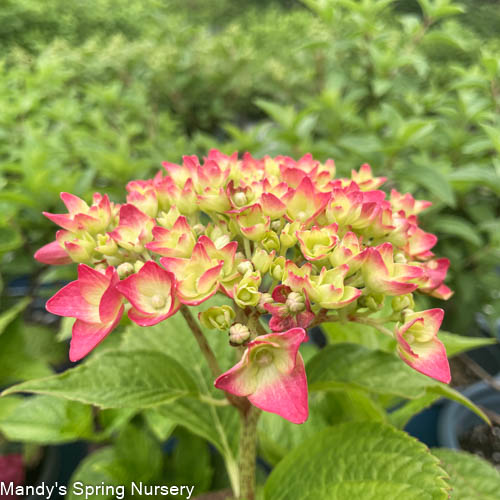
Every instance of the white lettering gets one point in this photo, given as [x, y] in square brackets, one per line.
[136, 488]
[190, 491]
[78, 489]
[50, 490]
[7, 490]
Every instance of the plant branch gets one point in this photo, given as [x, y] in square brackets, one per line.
[374, 322]
[202, 341]
[248, 453]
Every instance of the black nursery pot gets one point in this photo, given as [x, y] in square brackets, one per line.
[455, 420]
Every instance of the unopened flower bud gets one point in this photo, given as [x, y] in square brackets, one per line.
[240, 199]
[265, 298]
[277, 268]
[245, 267]
[106, 245]
[262, 260]
[276, 225]
[401, 302]
[101, 267]
[373, 301]
[287, 236]
[168, 219]
[238, 334]
[218, 318]
[247, 290]
[138, 265]
[270, 241]
[295, 302]
[125, 269]
[198, 229]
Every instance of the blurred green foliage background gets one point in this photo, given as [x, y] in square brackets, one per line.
[94, 93]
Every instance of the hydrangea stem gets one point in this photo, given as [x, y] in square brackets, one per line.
[248, 452]
[202, 341]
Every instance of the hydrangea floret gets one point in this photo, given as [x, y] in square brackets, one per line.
[277, 237]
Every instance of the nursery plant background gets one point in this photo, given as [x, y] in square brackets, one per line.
[96, 93]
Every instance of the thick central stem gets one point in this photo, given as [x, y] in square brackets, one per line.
[248, 452]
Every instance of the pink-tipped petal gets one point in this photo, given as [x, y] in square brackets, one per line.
[52, 254]
[69, 302]
[86, 336]
[429, 359]
[285, 396]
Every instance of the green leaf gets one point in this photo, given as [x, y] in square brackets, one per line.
[430, 178]
[277, 436]
[17, 361]
[365, 460]
[161, 426]
[284, 115]
[400, 417]
[8, 404]
[139, 453]
[455, 226]
[343, 365]
[349, 365]
[455, 344]
[95, 470]
[136, 379]
[9, 315]
[356, 333]
[10, 239]
[476, 174]
[470, 476]
[47, 420]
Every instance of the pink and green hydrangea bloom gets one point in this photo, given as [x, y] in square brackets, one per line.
[273, 236]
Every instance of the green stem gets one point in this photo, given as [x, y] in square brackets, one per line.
[202, 341]
[248, 452]
[373, 322]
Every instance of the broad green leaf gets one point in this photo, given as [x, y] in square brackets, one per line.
[470, 476]
[356, 333]
[400, 417]
[113, 419]
[365, 460]
[17, 361]
[136, 379]
[161, 426]
[9, 315]
[47, 420]
[139, 453]
[95, 470]
[375, 371]
[277, 436]
[349, 365]
[455, 344]
[8, 404]
[455, 226]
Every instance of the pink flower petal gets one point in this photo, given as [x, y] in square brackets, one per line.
[53, 254]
